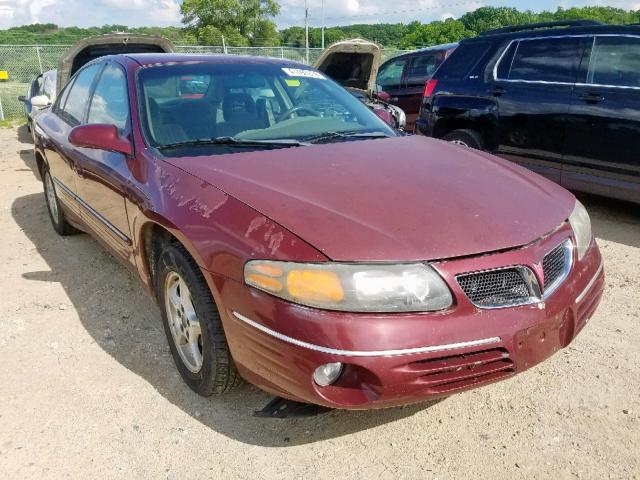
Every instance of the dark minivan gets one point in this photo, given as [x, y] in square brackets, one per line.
[403, 78]
[562, 99]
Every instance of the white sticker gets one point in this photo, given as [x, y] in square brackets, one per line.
[299, 72]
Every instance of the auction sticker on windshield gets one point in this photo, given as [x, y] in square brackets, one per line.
[299, 72]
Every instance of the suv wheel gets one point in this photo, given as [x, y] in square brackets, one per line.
[465, 138]
[193, 325]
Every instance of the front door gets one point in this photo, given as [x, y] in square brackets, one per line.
[104, 176]
[390, 79]
[419, 70]
[602, 153]
[533, 85]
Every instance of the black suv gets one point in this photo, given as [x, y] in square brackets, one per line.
[562, 99]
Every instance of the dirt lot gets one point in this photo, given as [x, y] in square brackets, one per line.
[88, 388]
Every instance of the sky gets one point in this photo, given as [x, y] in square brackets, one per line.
[85, 13]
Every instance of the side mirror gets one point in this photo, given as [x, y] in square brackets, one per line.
[22, 98]
[384, 96]
[101, 137]
[40, 101]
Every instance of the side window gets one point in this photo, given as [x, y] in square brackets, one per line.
[548, 60]
[464, 60]
[504, 67]
[62, 98]
[390, 75]
[110, 102]
[49, 85]
[615, 61]
[76, 102]
[422, 68]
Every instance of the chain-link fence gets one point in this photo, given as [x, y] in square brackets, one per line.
[24, 62]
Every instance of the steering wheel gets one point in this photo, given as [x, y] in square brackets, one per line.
[300, 108]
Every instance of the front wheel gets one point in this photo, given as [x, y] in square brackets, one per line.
[193, 325]
[465, 138]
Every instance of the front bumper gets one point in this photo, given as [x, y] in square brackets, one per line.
[395, 359]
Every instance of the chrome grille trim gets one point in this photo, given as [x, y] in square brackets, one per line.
[551, 266]
[531, 292]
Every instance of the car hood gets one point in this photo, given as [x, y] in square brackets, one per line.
[396, 199]
[352, 63]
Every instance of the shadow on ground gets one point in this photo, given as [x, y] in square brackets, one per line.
[125, 323]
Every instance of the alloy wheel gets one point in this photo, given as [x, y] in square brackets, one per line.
[183, 322]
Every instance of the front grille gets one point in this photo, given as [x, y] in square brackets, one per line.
[555, 265]
[496, 288]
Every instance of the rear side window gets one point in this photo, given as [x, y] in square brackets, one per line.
[390, 75]
[422, 68]
[547, 60]
[615, 61]
[463, 60]
[76, 101]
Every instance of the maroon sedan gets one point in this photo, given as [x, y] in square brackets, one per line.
[293, 239]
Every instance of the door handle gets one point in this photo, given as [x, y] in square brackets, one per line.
[497, 91]
[591, 98]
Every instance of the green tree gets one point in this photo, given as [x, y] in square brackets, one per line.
[486, 18]
[435, 33]
[244, 22]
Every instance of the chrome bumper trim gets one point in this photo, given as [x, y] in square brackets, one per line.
[591, 284]
[355, 353]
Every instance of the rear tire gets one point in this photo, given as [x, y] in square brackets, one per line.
[58, 220]
[192, 324]
[465, 138]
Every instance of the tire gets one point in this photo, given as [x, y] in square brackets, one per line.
[58, 220]
[465, 138]
[213, 371]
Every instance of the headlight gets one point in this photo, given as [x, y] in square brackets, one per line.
[352, 287]
[581, 224]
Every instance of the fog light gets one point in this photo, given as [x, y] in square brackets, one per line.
[327, 374]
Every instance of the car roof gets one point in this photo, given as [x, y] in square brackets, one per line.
[146, 59]
[434, 48]
[556, 32]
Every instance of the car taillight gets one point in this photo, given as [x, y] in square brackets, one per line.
[430, 87]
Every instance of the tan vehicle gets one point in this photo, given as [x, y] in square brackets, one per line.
[110, 44]
[354, 64]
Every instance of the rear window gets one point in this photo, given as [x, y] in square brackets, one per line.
[463, 60]
[546, 60]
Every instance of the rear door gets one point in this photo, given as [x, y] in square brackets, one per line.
[533, 83]
[420, 68]
[67, 113]
[104, 176]
[602, 153]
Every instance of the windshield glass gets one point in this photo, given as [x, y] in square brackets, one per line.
[249, 102]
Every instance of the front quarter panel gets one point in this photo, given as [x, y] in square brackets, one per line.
[219, 231]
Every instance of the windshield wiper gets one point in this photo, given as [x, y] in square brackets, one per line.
[235, 142]
[328, 136]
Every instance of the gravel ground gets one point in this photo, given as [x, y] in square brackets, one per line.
[88, 388]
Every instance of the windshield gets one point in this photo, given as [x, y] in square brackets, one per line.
[187, 103]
